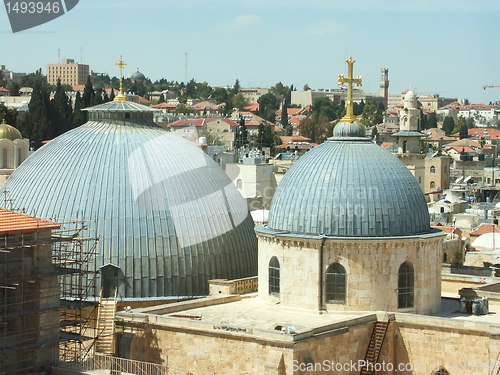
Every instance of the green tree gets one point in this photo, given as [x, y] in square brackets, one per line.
[97, 99]
[14, 88]
[268, 105]
[371, 115]
[239, 101]
[265, 136]
[29, 80]
[60, 111]
[432, 121]
[280, 91]
[79, 116]
[191, 89]
[220, 95]
[36, 125]
[88, 94]
[374, 132]
[448, 125]
[112, 95]
[9, 115]
[314, 127]
[241, 137]
[470, 122]
[464, 132]
[327, 108]
[161, 99]
[423, 121]
[236, 87]
[3, 81]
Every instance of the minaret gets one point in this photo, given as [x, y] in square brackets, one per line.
[384, 85]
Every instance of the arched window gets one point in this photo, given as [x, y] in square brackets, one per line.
[432, 185]
[442, 371]
[239, 184]
[405, 285]
[335, 283]
[274, 276]
[433, 169]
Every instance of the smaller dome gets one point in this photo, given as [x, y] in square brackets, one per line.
[9, 132]
[410, 95]
[488, 242]
[349, 129]
[138, 76]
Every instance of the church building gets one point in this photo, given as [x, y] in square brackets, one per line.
[349, 281]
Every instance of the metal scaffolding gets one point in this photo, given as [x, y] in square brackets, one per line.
[47, 310]
[74, 256]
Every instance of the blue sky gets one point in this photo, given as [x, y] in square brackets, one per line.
[434, 46]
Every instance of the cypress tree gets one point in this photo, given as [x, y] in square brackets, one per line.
[79, 116]
[112, 95]
[36, 125]
[88, 94]
[61, 114]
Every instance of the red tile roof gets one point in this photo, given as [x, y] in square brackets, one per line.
[3, 89]
[186, 122]
[387, 145]
[14, 222]
[252, 107]
[485, 228]
[462, 149]
[164, 106]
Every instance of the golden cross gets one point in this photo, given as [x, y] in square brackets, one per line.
[121, 97]
[350, 80]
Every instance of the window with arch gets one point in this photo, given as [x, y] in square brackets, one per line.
[432, 184]
[239, 184]
[433, 169]
[274, 276]
[335, 283]
[442, 371]
[405, 285]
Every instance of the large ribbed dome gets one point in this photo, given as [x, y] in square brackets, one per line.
[349, 187]
[165, 213]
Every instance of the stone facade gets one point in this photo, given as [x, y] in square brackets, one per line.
[371, 267]
[413, 345]
[437, 173]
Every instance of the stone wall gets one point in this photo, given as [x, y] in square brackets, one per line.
[371, 266]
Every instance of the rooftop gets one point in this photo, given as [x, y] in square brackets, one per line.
[13, 222]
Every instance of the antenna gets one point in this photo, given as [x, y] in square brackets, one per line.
[58, 55]
[81, 55]
[186, 67]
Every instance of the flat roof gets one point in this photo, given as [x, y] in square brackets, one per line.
[251, 316]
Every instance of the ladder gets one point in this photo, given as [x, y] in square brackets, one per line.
[374, 347]
[105, 342]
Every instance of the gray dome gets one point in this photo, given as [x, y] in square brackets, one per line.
[349, 187]
[137, 76]
[165, 213]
